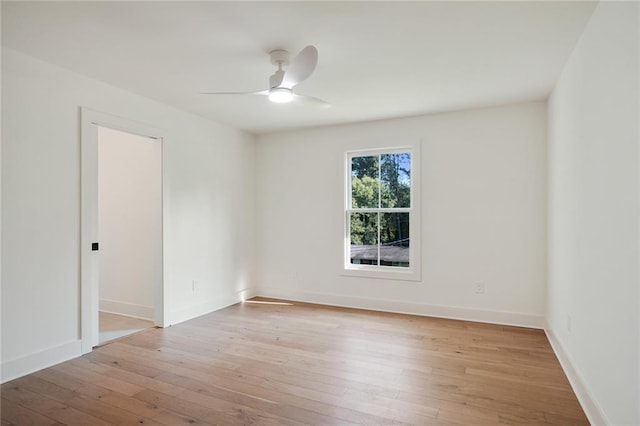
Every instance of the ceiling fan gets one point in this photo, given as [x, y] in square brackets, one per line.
[281, 83]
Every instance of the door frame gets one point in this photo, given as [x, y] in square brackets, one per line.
[89, 278]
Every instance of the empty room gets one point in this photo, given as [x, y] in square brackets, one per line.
[321, 213]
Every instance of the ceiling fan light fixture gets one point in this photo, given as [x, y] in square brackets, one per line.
[280, 95]
[282, 82]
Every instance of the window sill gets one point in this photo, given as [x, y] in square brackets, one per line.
[381, 272]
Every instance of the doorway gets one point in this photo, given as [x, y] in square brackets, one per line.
[129, 231]
[121, 238]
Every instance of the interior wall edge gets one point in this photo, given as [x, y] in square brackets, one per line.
[586, 398]
[28, 364]
[400, 307]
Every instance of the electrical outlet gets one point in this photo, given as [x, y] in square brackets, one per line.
[479, 288]
[193, 285]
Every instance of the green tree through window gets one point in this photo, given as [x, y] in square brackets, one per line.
[380, 191]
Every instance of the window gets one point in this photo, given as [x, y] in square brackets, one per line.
[381, 214]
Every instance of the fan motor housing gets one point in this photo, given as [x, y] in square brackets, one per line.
[279, 57]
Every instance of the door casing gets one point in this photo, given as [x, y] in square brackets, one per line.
[89, 290]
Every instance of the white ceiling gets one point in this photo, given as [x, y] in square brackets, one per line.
[376, 59]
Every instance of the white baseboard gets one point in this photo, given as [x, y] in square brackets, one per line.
[127, 309]
[31, 363]
[589, 404]
[451, 312]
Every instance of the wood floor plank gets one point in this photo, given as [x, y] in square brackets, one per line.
[102, 380]
[58, 375]
[171, 418]
[211, 411]
[283, 405]
[15, 414]
[116, 372]
[48, 407]
[483, 392]
[43, 387]
[283, 400]
[270, 362]
[109, 413]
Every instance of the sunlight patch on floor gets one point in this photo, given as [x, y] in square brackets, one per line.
[264, 302]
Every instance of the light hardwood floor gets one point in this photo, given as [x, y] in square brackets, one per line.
[114, 326]
[293, 363]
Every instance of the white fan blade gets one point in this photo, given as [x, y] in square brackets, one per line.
[310, 100]
[262, 92]
[301, 67]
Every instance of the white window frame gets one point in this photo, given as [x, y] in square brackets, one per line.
[411, 273]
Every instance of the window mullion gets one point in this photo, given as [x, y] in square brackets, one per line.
[383, 210]
[379, 201]
[379, 181]
[378, 238]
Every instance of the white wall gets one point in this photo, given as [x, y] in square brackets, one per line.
[208, 177]
[130, 222]
[1, 222]
[593, 216]
[483, 214]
